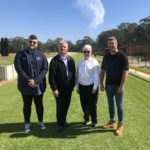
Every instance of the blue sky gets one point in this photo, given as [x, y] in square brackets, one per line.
[68, 19]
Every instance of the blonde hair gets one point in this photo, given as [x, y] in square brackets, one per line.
[87, 47]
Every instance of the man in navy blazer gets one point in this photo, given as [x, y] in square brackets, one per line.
[31, 66]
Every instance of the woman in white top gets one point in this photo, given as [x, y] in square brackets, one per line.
[87, 85]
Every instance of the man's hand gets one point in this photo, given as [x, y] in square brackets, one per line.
[120, 89]
[94, 91]
[102, 87]
[32, 83]
[56, 93]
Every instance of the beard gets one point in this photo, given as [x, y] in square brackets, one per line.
[112, 49]
[31, 49]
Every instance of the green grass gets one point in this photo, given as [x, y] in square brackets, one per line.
[144, 70]
[8, 60]
[136, 129]
[147, 69]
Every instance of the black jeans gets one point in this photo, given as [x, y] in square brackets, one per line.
[62, 105]
[88, 102]
[38, 101]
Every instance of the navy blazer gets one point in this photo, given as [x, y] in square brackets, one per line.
[23, 67]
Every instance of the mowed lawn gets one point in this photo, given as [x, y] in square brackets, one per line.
[8, 60]
[136, 135]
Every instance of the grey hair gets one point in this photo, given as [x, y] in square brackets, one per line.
[87, 47]
[62, 41]
[112, 38]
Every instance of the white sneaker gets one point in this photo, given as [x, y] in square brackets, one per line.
[85, 123]
[27, 127]
[42, 125]
[93, 125]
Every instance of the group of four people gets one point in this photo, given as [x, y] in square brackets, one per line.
[31, 66]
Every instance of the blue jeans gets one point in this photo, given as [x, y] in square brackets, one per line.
[112, 91]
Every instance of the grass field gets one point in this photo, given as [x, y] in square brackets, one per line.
[146, 69]
[8, 60]
[136, 135]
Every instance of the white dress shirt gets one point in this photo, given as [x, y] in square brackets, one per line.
[88, 73]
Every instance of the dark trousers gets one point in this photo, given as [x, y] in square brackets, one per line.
[62, 105]
[38, 101]
[88, 102]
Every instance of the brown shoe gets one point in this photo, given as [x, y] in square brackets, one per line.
[111, 124]
[118, 132]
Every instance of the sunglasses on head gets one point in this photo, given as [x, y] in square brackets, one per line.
[86, 52]
[32, 42]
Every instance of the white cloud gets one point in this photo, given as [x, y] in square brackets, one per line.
[94, 9]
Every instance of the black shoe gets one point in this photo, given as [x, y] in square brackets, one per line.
[66, 124]
[93, 125]
[60, 128]
[85, 123]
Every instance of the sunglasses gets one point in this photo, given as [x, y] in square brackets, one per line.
[86, 52]
[32, 42]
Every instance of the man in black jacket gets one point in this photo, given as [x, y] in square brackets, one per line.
[62, 82]
[31, 66]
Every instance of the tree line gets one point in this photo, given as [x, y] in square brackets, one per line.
[127, 34]
[4, 47]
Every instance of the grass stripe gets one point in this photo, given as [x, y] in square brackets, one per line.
[136, 134]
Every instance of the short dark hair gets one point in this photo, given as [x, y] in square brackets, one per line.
[33, 37]
[112, 38]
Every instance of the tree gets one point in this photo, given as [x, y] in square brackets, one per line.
[102, 40]
[79, 45]
[55, 44]
[140, 35]
[145, 24]
[84, 41]
[6, 45]
[71, 46]
[127, 34]
[17, 44]
[49, 45]
[2, 46]
[145, 20]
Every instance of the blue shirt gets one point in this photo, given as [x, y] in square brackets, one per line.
[37, 90]
[65, 60]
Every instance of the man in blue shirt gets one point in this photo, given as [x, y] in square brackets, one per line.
[31, 66]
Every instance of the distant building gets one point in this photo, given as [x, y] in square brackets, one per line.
[137, 50]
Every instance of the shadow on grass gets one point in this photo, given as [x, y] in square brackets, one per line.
[139, 77]
[75, 129]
